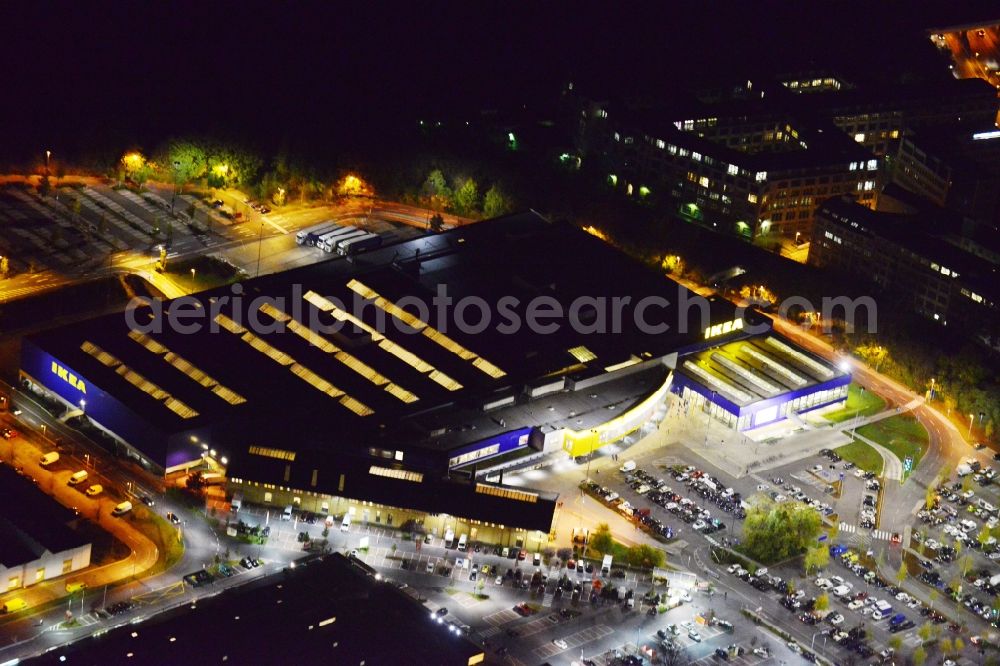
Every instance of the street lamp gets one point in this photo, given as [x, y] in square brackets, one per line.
[177, 166]
[971, 417]
[48, 154]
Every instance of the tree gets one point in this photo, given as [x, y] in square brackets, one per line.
[919, 656]
[467, 198]
[436, 190]
[436, 223]
[959, 645]
[186, 161]
[984, 535]
[601, 539]
[673, 654]
[822, 602]
[946, 646]
[353, 186]
[495, 203]
[932, 597]
[896, 642]
[645, 556]
[902, 573]
[816, 558]
[965, 563]
[930, 496]
[925, 631]
[774, 532]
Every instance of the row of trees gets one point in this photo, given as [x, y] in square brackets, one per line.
[963, 382]
[278, 179]
[183, 161]
[643, 556]
[462, 196]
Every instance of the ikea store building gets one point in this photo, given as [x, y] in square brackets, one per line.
[320, 387]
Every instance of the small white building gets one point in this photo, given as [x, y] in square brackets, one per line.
[37, 536]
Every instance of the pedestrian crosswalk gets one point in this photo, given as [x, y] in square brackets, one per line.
[847, 528]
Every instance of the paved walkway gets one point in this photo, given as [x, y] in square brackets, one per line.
[892, 468]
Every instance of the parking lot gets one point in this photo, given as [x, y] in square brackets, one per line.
[76, 228]
[956, 539]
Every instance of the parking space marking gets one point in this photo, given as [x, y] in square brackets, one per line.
[574, 640]
[501, 617]
[535, 626]
[489, 632]
[467, 600]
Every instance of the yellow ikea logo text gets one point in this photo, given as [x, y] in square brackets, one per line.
[69, 377]
[723, 329]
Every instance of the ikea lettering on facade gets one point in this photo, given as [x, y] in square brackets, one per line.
[69, 378]
[723, 329]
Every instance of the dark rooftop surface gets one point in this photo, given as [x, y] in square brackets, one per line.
[365, 379]
[328, 611]
[31, 522]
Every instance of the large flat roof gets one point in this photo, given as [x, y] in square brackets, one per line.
[324, 611]
[31, 522]
[757, 368]
[370, 379]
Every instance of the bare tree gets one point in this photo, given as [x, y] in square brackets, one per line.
[674, 655]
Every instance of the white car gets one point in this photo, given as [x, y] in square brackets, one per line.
[694, 635]
[699, 524]
[762, 486]
[498, 581]
[855, 605]
[430, 567]
[561, 644]
[761, 652]
[836, 619]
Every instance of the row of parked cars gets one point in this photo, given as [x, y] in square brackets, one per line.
[796, 493]
[710, 488]
[77, 480]
[641, 516]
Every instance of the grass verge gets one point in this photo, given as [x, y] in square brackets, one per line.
[164, 535]
[901, 434]
[862, 455]
[860, 402]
